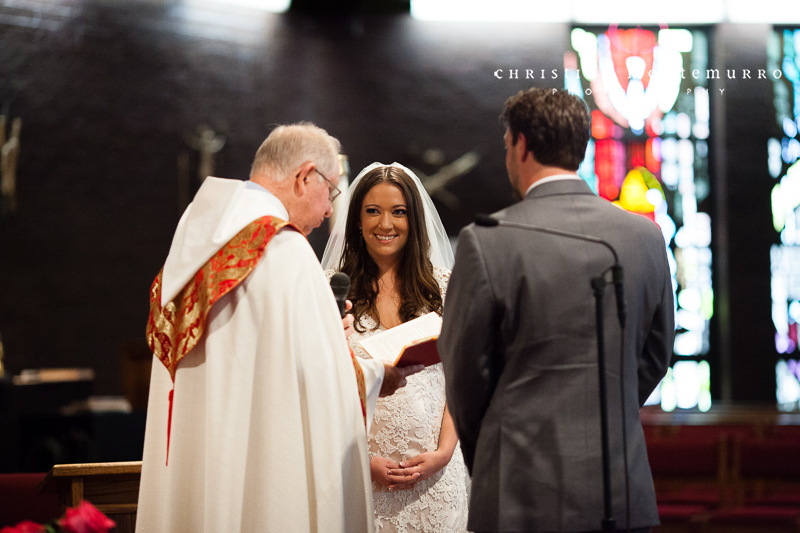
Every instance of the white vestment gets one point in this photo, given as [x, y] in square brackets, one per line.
[267, 429]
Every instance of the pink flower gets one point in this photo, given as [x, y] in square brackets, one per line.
[26, 526]
[85, 518]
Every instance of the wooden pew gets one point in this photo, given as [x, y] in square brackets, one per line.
[111, 487]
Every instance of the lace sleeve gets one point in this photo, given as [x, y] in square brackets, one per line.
[442, 276]
[329, 274]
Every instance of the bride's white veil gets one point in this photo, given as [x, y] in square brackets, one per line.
[440, 253]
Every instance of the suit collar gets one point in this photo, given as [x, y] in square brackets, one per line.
[559, 187]
[555, 177]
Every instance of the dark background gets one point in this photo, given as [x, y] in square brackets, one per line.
[109, 92]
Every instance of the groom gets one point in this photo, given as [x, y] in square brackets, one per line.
[519, 346]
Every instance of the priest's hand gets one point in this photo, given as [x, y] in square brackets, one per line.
[394, 377]
[379, 468]
[423, 466]
[348, 320]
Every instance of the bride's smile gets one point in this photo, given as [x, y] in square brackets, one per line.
[384, 222]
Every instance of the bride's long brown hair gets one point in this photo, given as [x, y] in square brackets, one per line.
[418, 289]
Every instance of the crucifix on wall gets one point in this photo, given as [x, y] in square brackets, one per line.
[435, 184]
[9, 153]
[208, 143]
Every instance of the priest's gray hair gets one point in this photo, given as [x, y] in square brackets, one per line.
[289, 147]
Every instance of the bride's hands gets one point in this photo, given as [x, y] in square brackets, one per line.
[380, 467]
[423, 466]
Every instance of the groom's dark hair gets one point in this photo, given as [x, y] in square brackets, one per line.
[555, 123]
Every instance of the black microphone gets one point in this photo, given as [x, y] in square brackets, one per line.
[340, 285]
[617, 272]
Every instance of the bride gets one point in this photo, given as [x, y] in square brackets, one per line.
[391, 243]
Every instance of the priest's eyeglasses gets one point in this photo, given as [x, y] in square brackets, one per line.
[333, 193]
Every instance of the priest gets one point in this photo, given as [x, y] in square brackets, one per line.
[257, 411]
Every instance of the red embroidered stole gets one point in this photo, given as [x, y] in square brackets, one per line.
[174, 329]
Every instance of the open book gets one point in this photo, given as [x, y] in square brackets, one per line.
[412, 343]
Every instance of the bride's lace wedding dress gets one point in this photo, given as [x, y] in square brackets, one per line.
[406, 424]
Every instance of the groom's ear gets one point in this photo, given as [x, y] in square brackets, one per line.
[521, 148]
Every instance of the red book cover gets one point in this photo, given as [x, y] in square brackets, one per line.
[422, 352]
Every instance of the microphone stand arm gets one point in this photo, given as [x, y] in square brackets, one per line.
[551, 231]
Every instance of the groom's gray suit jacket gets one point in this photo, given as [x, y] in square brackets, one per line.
[520, 359]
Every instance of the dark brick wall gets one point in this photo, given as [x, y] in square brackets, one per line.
[108, 92]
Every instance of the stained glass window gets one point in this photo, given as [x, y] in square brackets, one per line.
[783, 149]
[647, 90]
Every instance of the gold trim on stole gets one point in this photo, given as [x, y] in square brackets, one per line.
[174, 329]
